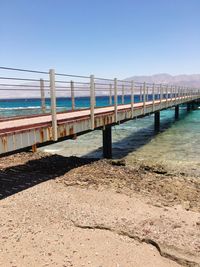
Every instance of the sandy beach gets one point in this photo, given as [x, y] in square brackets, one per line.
[58, 211]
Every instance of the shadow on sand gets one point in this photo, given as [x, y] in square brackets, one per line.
[17, 178]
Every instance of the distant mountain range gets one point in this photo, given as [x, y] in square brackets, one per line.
[192, 80]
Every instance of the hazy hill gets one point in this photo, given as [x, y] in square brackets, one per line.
[192, 80]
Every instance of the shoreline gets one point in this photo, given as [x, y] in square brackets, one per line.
[144, 206]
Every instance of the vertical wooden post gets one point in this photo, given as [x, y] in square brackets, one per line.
[107, 141]
[94, 94]
[92, 100]
[53, 104]
[166, 95]
[72, 95]
[140, 99]
[144, 98]
[132, 98]
[153, 96]
[110, 95]
[115, 98]
[122, 94]
[171, 93]
[181, 94]
[161, 92]
[147, 93]
[43, 106]
[175, 94]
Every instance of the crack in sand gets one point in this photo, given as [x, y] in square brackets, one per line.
[162, 252]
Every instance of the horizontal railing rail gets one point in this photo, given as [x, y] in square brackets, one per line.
[60, 92]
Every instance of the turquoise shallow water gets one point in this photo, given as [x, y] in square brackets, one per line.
[177, 144]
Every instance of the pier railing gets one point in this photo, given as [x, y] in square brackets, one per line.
[50, 92]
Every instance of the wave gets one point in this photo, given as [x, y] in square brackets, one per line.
[26, 108]
[15, 108]
[35, 107]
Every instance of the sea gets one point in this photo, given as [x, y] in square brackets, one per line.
[176, 146]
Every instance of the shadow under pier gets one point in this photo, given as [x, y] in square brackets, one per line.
[17, 178]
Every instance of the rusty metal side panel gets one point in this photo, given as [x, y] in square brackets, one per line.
[18, 140]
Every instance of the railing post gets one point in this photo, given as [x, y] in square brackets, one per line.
[110, 95]
[53, 104]
[153, 96]
[171, 94]
[115, 98]
[182, 93]
[166, 96]
[132, 98]
[144, 98]
[92, 101]
[94, 94]
[181, 96]
[161, 95]
[43, 106]
[175, 94]
[72, 95]
[123, 94]
[140, 99]
[147, 93]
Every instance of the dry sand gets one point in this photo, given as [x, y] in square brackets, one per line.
[96, 214]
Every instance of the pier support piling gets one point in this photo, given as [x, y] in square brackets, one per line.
[157, 121]
[107, 142]
[193, 105]
[177, 112]
[188, 106]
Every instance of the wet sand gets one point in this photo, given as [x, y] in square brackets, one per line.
[58, 211]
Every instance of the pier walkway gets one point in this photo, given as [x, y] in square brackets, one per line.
[29, 131]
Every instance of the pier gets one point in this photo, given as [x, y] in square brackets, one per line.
[54, 125]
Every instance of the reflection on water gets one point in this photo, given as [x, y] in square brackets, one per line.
[178, 143]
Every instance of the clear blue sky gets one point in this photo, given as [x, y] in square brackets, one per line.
[105, 37]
